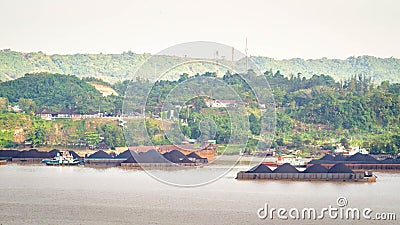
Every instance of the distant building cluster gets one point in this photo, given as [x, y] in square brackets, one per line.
[67, 114]
[221, 103]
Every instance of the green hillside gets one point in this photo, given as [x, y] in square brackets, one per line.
[56, 91]
[117, 67]
[315, 111]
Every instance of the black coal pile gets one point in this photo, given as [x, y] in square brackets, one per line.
[358, 157]
[8, 153]
[369, 158]
[286, 168]
[316, 169]
[151, 156]
[340, 158]
[340, 168]
[124, 155]
[328, 157]
[33, 153]
[194, 155]
[100, 155]
[74, 154]
[176, 156]
[52, 153]
[130, 160]
[260, 169]
[390, 161]
[316, 161]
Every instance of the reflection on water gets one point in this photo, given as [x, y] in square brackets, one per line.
[36, 194]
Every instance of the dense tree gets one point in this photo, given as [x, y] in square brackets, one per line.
[3, 104]
[56, 91]
[255, 125]
[28, 106]
[113, 135]
[297, 140]
[344, 142]
[37, 134]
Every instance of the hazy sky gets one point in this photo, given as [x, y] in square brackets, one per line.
[278, 29]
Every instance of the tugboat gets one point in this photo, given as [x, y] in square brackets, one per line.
[294, 161]
[62, 159]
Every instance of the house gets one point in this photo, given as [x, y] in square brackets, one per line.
[67, 114]
[221, 103]
[15, 108]
[91, 114]
[45, 114]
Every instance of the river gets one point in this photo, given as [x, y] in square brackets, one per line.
[37, 194]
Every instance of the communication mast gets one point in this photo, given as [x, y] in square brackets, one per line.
[216, 63]
[247, 58]
[233, 60]
[155, 72]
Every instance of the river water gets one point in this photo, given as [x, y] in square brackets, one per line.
[36, 194]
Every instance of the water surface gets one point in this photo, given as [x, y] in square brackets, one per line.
[36, 194]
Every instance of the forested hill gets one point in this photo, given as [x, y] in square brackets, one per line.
[55, 92]
[117, 67]
[309, 111]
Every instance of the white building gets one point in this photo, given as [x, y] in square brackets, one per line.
[221, 103]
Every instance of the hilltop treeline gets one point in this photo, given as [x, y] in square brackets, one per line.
[116, 67]
[55, 92]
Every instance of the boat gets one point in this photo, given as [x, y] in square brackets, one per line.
[352, 151]
[294, 161]
[62, 159]
[3, 162]
[291, 159]
[270, 164]
[62, 163]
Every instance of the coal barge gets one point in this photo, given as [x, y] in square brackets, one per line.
[32, 155]
[126, 159]
[338, 172]
[357, 161]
